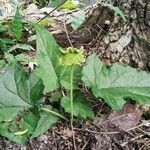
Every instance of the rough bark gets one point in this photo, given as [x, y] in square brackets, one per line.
[112, 38]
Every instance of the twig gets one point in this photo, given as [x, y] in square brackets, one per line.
[131, 140]
[146, 133]
[85, 145]
[66, 31]
[146, 144]
[87, 130]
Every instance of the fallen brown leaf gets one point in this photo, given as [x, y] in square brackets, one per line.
[124, 120]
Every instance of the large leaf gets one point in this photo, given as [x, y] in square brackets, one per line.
[8, 113]
[19, 132]
[8, 130]
[116, 82]
[9, 96]
[45, 122]
[47, 56]
[18, 89]
[29, 122]
[64, 76]
[81, 106]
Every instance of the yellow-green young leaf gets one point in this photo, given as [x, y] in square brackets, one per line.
[21, 132]
[72, 56]
[70, 4]
[17, 24]
[46, 21]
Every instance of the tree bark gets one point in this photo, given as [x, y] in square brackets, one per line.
[112, 38]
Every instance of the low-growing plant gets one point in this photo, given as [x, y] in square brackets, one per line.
[11, 41]
[22, 107]
[24, 114]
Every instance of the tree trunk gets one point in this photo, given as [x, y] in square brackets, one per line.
[112, 38]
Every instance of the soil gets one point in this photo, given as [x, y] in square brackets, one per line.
[116, 41]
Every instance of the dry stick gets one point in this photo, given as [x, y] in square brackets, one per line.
[85, 145]
[131, 140]
[64, 1]
[67, 35]
[146, 144]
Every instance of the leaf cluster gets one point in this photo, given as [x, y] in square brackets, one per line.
[24, 114]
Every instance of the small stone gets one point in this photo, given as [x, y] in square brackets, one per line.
[106, 40]
[42, 138]
[23, 148]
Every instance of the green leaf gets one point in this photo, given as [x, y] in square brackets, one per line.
[46, 121]
[56, 3]
[23, 57]
[3, 28]
[17, 24]
[9, 96]
[56, 97]
[29, 122]
[64, 76]
[70, 4]
[20, 57]
[25, 47]
[19, 90]
[81, 105]
[47, 57]
[116, 82]
[29, 88]
[8, 41]
[117, 10]
[9, 57]
[2, 63]
[8, 129]
[8, 113]
[3, 46]
[77, 19]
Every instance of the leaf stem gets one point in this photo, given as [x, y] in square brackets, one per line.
[54, 113]
[71, 92]
[71, 105]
